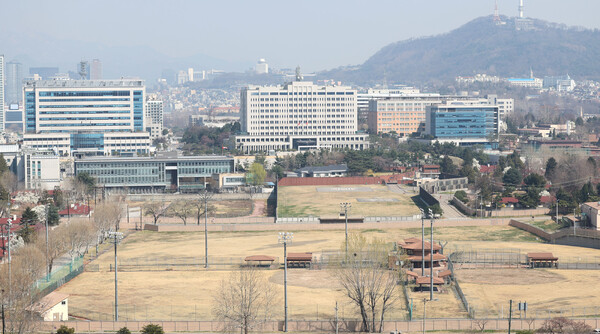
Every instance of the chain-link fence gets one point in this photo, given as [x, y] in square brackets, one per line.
[60, 276]
[182, 264]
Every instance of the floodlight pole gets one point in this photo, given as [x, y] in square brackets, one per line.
[422, 242]
[431, 259]
[205, 226]
[47, 266]
[9, 225]
[284, 238]
[116, 236]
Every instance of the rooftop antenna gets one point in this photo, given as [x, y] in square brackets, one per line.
[521, 9]
[530, 73]
[83, 69]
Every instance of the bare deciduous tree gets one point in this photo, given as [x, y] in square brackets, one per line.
[57, 245]
[563, 325]
[156, 209]
[27, 266]
[201, 206]
[78, 234]
[244, 301]
[366, 280]
[107, 216]
[181, 209]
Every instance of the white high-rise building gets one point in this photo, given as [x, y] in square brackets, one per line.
[96, 70]
[154, 118]
[190, 72]
[1, 92]
[299, 115]
[262, 67]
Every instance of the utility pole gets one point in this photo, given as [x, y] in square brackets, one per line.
[345, 207]
[424, 313]
[422, 242]
[9, 225]
[509, 316]
[116, 236]
[285, 238]
[431, 259]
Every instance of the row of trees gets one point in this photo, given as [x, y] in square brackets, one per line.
[182, 209]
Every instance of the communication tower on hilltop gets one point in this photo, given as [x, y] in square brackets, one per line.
[521, 9]
[497, 19]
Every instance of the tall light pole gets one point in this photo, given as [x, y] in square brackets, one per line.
[345, 206]
[205, 196]
[422, 242]
[116, 236]
[431, 258]
[285, 238]
[9, 226]
[47, 265]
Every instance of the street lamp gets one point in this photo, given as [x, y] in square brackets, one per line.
[422, 242]
[345, 206]
[116, 236]
[285, 238]
[431, 258]
[47, 265]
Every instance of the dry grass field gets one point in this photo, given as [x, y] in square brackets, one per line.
[187, 294]
[490, 290]
[303, 201]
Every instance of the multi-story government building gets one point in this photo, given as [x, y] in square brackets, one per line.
[463, 123]
[299, 116]
[154, 174]
[86, 117]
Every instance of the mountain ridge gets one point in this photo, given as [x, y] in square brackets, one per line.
[481, 46]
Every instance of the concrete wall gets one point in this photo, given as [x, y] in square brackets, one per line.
[328, 181]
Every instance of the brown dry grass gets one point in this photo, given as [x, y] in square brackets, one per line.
[543, 289]
[189, 293]
[302, 201]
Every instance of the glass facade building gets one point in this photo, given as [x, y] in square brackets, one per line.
[154, 174]
[462, 121]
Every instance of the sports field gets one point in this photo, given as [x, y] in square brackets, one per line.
[185, 294]
[546, 291]
[366, 200]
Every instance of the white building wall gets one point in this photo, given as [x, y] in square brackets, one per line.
[59, 312]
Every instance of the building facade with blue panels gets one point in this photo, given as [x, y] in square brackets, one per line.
[84, 113]
[155, 174]
[461, 121]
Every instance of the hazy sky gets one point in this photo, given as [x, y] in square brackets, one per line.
[316, 34]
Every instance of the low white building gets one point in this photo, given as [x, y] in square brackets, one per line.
[53, 307]
[79, 144]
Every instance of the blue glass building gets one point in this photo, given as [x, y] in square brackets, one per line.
[462, 121]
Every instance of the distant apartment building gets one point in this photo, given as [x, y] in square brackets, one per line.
[560, 83]
[196, 120]
[154, 174]
[86, 117]
[96, 70]
[298, 116]
[462, 123]
[262, 67]
[527, 82]
[154, 118]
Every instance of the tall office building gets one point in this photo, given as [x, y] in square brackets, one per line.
[154, 118]
[299, 115]
[2, 92]
[86, 116]
[96, 70]
[14, 83]
[463, 123]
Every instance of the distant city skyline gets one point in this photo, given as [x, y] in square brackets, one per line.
[233, 35]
